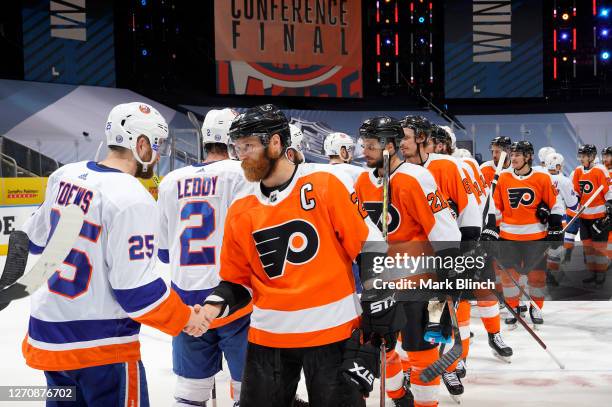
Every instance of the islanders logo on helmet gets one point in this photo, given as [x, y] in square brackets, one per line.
[144, 109]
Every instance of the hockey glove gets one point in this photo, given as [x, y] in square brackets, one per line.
[542, 213]
[360, 363]
[490, 233]
[382, 317]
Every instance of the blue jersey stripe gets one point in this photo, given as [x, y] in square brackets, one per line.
[79, 331]
[136, 299]
[192, 297]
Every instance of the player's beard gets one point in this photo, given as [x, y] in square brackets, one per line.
[376, 164]
[257, 169]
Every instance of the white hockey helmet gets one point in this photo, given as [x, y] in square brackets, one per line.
[297, 138]
[215, 128]
[462, 153]
[554, 159]
[128, 121]
[335, 141]
[543, 153]
[451, 133]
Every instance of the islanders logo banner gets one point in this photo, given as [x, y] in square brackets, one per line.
[289, 47]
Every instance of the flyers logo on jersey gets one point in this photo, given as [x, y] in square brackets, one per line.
[295, 242]
[520, 196]
[374, 209]
[586, 187]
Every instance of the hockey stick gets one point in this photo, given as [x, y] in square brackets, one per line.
[214, 393]
[527, 328]
[498, 170]
[385, 230]
[196, 123]
[57, 249]
[439, 366]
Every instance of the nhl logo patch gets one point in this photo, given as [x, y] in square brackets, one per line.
[217, 137]
[144, 109]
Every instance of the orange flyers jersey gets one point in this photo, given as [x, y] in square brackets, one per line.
[294, 250]
[516, 200]
[586, 183]
[454, 185]
[488, 171]
[478, 175]
[418, 211]
[468, 172]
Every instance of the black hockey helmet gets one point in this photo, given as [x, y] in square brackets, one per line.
[502, 142]
[588, 149]
[263, 121]
[380, 127]
[522, 146]
[607, 151]
[419, 124]
[440, 135]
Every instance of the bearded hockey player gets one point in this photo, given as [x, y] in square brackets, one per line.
[418, 214]
[84, 323]
[529, 210]
[288, 244]
[192, 208]
[596, 219]
[339, 147]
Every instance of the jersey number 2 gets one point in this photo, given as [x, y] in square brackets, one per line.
[205, 255]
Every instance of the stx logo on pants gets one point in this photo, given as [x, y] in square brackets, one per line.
[296, 242]
[520, 196]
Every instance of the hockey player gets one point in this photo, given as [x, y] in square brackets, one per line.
[297, 144]
[569, 201]
[542, 154]
[498, 144]
[595, 220]
[289, 243]
[488, 307]
[84, 322]
[606, 155]
[339, 147]
[417, 213]
[527, 205]
[192, 207]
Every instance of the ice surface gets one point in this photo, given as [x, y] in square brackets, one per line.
[579, 333]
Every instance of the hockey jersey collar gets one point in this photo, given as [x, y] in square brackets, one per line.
[94, 166]
[280, 192]
[378, 180]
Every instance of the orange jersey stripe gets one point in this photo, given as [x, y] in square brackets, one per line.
[79, 358]
[170, 316]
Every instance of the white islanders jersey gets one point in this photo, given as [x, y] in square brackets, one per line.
[90, 310]
[192, 206]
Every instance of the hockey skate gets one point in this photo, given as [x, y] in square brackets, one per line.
[500, 350]
[461, 369]
[453, 385]
[511, 322]
[536, 317]
[596, 280]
